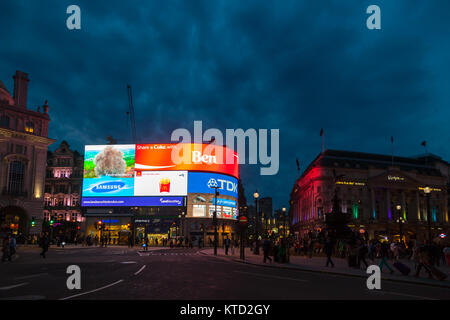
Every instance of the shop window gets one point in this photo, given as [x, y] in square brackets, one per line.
[198, 210]
[219, 211]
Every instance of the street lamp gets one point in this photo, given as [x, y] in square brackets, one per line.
[400, 222]
[256, 195]
[427, 191]
[216, 193]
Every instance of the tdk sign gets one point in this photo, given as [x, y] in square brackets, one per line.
[223, 184]
[108, 187]
[199, 182]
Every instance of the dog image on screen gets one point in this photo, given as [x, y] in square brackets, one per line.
[110, 162]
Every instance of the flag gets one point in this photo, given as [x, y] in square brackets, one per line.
[424, 143]
[321, 132]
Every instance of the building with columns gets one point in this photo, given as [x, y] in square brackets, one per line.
[384, 195]
[23, 152]
[63, 183]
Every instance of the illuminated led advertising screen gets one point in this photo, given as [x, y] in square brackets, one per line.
[130, 175]
[202, 182]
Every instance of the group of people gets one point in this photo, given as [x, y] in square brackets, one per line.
[357, 250]
[278, 249]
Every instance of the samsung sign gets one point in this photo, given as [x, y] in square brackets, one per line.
[200, 182]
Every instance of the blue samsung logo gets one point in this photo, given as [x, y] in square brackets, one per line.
[108, 186]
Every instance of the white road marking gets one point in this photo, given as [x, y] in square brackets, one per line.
[31, 276]
[32, 297]
[83, 293]
[269, 276]
[401, 294]
[136, 273]
[14, 286]
[128, 262]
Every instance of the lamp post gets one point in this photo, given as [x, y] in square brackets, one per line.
[284, 221]
[400, 222]
[427, 191]
[216, 193]
[256, 195]
[179, 226]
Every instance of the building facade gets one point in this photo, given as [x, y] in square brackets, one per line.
[62, 193]
[23, 151]
[383, 195]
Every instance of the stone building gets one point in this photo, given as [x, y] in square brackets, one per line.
[383, 195]
[23, 151]
[63, 184]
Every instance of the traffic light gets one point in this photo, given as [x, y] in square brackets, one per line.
[33, 223]
[51, 222]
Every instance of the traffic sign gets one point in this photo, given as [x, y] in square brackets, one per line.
[243, 220]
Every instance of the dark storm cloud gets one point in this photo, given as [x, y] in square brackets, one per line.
[293, 65]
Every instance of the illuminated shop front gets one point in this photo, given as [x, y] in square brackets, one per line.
[117, 229]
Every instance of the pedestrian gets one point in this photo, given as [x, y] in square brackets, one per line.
[424, 259]
[282, 251]
[266, 250]
[362, 252]
[6, 249]
[384, 254]
[328, 249]
[12, 246]
[227, 245]
[44, 243]
[310, 247]
[275, 252]
[146, 244]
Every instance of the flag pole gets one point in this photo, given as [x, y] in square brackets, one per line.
[392, 142]
[323, 143]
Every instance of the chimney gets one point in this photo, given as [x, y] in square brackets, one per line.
[20, 88]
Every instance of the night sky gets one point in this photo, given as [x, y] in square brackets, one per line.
[297, 66]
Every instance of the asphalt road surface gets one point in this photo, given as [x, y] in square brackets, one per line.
[178, 274]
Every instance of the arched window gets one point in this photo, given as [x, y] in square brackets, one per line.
[4, 121]
[16, 177]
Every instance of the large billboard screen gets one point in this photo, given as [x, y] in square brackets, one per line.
[202, 182]
[155, 183]
[188, 156]
[143, 171]
[131, 201]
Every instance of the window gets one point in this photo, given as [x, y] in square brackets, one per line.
[4, 121]
[211, 211]
[47, 202]
[16, 177]
[319, 189]
[199, 210]
[19, 149]
[29, 127]
[48, 188]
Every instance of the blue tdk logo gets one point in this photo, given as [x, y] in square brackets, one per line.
[108, 186]
[223, 185]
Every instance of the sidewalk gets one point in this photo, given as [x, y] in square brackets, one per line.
[317, 264]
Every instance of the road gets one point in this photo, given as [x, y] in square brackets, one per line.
[179, 274]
